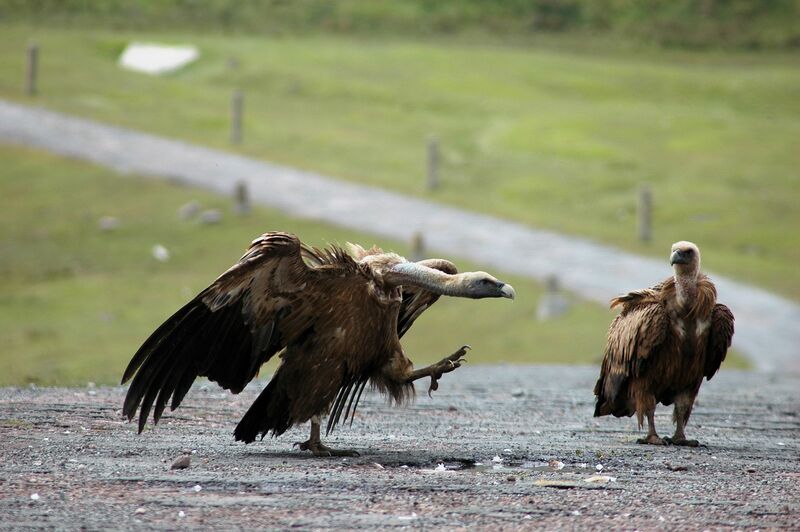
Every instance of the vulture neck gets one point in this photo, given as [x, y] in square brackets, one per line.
[430, 279]
[686, 287]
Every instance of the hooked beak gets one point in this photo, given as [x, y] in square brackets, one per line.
[677, 258]
[508, 291]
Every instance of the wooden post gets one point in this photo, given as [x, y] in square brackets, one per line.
[645, 213]
[31, 71]
[417, 247]
[237, 108]
[433, 163]
[242, 197]
[552, 303]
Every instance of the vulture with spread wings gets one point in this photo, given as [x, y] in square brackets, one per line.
[335, 317]
[662, 344]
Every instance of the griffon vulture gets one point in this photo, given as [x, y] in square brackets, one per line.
[662, 344]
[336, 318]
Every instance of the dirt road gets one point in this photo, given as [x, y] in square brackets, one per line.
[497, 446]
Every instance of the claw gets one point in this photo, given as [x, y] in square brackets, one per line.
[433, 387]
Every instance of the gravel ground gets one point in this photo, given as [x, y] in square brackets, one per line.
[483, 452]
[766, 324]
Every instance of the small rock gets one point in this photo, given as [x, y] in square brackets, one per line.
[600, 479]
[517, 392]
[511, 478]
[211, 216]
[108, 223]
[182, 462]
[181, 514]
[598, 467]
[160, 253]
[197, 488]
[555, 464]
[497, 459]
[451, 408]
[376, 465]
[189, 210]
[139, 510]
[34, 496]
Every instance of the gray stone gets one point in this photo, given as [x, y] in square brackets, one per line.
[211, 216]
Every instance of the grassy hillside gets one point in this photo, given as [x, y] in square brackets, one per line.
[76, 302]
[556, 138]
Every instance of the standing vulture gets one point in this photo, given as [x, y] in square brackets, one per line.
[336, 318]
[662, 344]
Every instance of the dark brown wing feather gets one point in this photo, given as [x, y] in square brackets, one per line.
[416, 300]
[639, 330]
[228, 331]
[719, 339]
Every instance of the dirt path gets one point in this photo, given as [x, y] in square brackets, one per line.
[766, 324]
[89, 469]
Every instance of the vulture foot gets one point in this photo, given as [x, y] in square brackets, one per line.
[317, 448]
[652, 439]
[682, 442]
[446, 365]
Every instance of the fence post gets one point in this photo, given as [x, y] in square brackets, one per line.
[32, 67]
[552, 303]
[433, 163]
[417, 246]
[645, 213]
[242, 198]
[237, 108]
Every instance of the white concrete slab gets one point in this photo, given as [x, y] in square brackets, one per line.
[156, 59]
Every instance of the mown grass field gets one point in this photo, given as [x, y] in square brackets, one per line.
[558, 137]
[76, 302]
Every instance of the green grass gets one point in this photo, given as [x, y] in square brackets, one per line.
[76, 302]
[557, 137]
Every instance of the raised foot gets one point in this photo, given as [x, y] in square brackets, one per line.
[682, 442]
[446, 365]
[318, 449]
[651, 440]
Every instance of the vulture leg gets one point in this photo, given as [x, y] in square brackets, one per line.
[315, 445]
[683, 408]
[435, 371]
[652, 438]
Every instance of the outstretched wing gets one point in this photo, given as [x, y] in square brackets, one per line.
[417, 300]
[639, 330]
[228, 331]
[719, 339]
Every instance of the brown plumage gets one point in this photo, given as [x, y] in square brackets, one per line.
[336, 318]
[662, 344]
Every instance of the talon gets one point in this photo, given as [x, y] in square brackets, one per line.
[433, 387]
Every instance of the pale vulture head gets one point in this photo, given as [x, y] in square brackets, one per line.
[685, 258]
[478, 285]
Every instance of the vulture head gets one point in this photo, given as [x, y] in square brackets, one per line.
[477, 285]
[685, 258]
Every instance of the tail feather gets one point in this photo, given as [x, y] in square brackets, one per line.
[271, 411]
